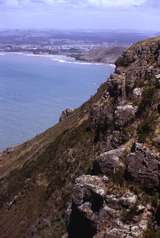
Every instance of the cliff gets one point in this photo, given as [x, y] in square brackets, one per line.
[97, 172]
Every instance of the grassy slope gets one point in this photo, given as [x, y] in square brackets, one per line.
[36, 177]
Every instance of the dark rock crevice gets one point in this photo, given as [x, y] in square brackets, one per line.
[80, 226]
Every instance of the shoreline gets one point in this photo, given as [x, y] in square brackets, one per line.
[56, 58]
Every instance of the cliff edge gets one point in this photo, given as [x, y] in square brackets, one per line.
[97, 172]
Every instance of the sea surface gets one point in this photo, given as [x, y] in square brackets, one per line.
[34, 91]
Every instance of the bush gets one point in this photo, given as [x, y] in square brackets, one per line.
[150, 233]
[144, 130]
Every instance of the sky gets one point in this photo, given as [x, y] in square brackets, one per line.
[139, 15]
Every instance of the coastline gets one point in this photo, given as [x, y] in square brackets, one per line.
[56, 58]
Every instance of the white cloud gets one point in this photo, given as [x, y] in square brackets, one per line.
[80, 14]
[11, 2]
[88, 4]
[93, 3]
[116, 3]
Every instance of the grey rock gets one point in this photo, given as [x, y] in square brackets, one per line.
[87, 185]
[156, 140]
[137, 93]
[124, 114]
[66, 113]
[128, 200]
[143, 167]
[157, 76]
[105, 215]
[109, 162]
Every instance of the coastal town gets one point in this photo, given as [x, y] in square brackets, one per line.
[83, 46]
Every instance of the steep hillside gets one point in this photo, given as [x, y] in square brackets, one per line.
[101, 54]
[97, 172]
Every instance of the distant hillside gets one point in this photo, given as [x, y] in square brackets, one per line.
[101, 55]
[42, 36]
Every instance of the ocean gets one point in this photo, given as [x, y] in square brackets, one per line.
[34, 90]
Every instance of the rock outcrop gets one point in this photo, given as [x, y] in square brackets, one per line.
[110, 162]
[126, 122]
[124, 114]
[99, 210]
[65, 114]
[143, 167]
[101, 162]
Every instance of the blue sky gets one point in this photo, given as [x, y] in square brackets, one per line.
[140, 15]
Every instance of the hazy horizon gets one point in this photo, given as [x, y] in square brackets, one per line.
[95, 15]
[83, 30]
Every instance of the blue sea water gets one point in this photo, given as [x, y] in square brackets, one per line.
[34, 91]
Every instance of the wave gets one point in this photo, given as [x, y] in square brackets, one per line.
[71, 60]
[112, 65]
[57, 58]
[2, 54]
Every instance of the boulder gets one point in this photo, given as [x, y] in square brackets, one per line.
[110, 162]
[156, 140]
[143, 167]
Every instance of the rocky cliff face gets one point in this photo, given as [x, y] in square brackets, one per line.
[110, 201]
[96, 173]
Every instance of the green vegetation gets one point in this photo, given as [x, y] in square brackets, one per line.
[151, 233]
[147, 100]
[144, 129]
